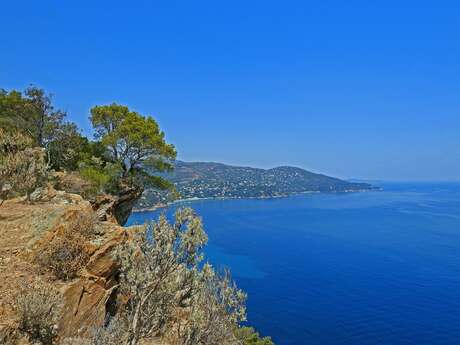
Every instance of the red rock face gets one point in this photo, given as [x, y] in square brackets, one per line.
[24, 227]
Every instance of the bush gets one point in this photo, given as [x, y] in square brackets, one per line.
[22, 167]
[113, 333]
[248, 336]
[38, 308]
[84, 224]
[64, 256]
[103, 176]
[67, 253]
[171, 293]
[214, 311]
[98, 179]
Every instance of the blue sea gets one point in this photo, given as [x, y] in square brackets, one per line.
[370, 268]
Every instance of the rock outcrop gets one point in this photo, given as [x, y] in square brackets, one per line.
[108, 207]
[116, 208]
[88, 298]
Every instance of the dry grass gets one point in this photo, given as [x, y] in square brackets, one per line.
[84, 224]
[9, 335]
[68, 252]
[65, 256]
[76, 341]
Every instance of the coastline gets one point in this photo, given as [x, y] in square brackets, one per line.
[178, 201]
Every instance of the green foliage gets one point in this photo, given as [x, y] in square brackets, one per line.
[14, 110]
[31, 112]
[130, 147]
[248, 336]
[96, 176]
[67, 148]
[135, 142]
[104, 176]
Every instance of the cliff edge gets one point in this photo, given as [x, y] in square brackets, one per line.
[25, 230]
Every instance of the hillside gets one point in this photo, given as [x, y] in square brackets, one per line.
[217, 180]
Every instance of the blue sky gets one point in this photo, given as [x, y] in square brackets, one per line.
[356, 89]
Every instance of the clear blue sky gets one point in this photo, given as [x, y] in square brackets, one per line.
[364, 89]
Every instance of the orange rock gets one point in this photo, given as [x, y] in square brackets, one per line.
[25, 227]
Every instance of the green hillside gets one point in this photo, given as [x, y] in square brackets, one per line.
[217, 180]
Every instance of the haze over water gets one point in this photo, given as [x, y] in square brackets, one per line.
[359, 268]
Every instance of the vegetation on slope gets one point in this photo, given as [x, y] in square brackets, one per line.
[118, 288]
[127, 144]
[157, 289]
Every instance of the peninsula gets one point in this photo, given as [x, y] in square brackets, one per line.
[204, 180]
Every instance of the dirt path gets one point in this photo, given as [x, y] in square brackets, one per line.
[20, 226]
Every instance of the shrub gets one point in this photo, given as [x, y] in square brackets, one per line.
[171, 293]
[38, 308]
[22, 167]
[113, 333]
[84, 224]
[103, 176]
[64, 256]
[248, 336]
[68, 252]
[98, 179]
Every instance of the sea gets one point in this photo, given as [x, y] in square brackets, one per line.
[365, 268]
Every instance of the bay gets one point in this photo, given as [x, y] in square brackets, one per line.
[379, 267]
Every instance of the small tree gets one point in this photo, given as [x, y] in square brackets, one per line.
[136, 143]
[67, 148]
[32, 113]
[43, 119]
[155, 271]
[14, 112]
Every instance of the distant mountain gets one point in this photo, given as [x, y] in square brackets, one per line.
[217, 180]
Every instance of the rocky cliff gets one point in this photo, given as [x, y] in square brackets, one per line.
[25, 226]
